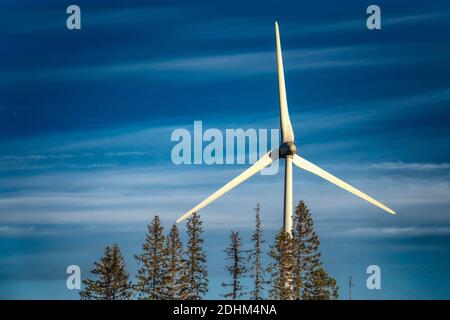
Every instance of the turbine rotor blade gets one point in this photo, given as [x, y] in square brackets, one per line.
[285, 122]
[263, 162]
[308, 166]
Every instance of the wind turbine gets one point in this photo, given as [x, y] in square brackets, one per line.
[287, 151]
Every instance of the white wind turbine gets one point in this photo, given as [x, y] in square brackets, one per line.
[287, 150]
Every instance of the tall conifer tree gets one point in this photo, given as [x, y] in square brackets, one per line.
[150, 277]
[112, 279]
[256, 268]
[281, 268]
[196, 274]
[237, 268]
[309, 276]
[174, 265]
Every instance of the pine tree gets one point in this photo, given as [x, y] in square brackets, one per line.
[309, 274]
[334, 289]
[237, 269]
[174, 265]
[257, 270]
[281, 269]
[306, 249]
[196, 275]
[112, 281]
[321, 286]
[150, 277]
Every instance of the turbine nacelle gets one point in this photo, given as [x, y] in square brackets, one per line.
[287, 149]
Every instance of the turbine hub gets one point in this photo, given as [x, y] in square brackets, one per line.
[287, 149]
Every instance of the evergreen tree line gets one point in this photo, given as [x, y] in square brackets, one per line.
[170, 270]
[167, 270]
[295, 271]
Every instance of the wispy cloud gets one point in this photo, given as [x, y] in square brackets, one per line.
[253, 28]
[360, 24]
[8, 231]
[416, 17]
[357, 113]
[126, 153]
[36, 157]
[111, 195]
[229, 65]
[123, 17]
[400, 231]
[410, 166]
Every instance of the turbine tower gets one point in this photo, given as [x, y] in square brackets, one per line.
[287, 151]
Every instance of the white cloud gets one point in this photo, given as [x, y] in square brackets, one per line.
[358, 24]
[9, 231]
[126, 153]
[228, 65]
[261, 62]
[116, 195]
[399, 231]
[410, 166]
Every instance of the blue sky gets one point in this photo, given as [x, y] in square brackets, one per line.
[86, 118]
